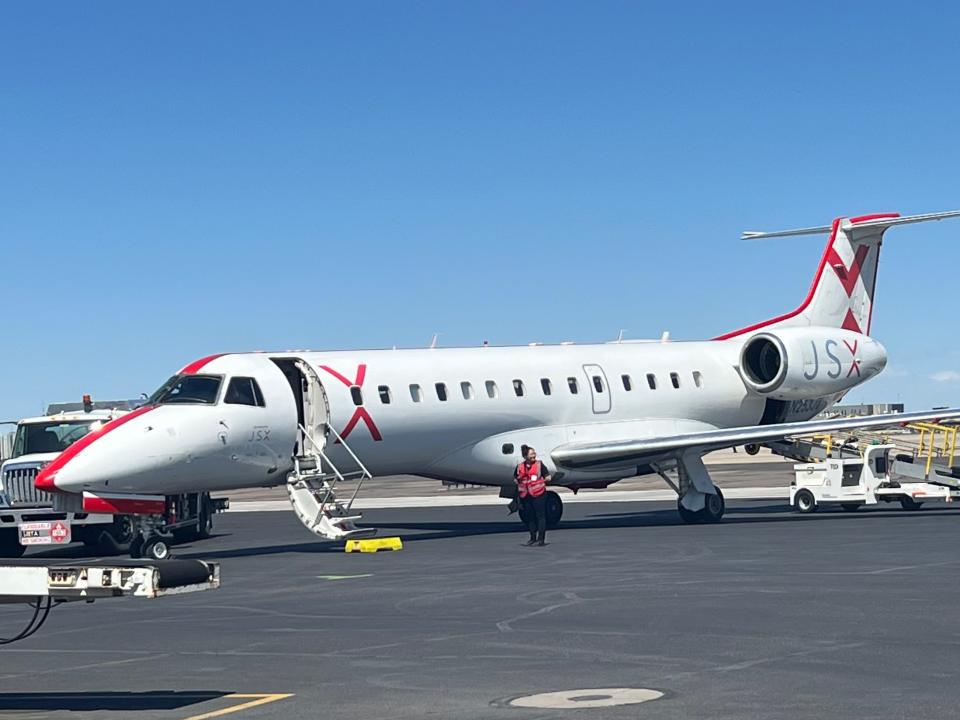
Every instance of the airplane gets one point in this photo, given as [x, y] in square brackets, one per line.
[596, 413]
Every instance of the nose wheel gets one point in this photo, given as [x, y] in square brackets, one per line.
[149, 539]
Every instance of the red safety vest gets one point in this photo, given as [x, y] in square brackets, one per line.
[530, 480]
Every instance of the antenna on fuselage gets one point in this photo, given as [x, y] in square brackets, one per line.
[433, 343]
[620, 336]
[665, 338]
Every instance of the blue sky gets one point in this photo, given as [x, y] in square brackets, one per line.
[185, 178]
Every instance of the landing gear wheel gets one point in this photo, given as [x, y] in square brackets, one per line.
[751, 449]
[850, 507]
[136, 547]
[554, 509]
[523, 511]
[805, 502]
[10, 546]
[713, 508]
[205, 521]
[688, 516]
[156, 548]
[908, 503]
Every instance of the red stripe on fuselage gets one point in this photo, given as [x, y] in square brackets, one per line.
[46, 480]
[197, 365]
[117, 505]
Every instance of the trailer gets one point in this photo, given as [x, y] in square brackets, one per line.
[871, 478]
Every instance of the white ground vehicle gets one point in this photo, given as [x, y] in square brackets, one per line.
[29, 516]
[868, 480]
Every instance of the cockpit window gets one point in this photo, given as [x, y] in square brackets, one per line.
[244, 391]
[188, 390]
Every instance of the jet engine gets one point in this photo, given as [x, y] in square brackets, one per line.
[801, 363]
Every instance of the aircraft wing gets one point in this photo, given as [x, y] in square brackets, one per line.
[610, 453]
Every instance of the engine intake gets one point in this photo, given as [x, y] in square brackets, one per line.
[802, 363]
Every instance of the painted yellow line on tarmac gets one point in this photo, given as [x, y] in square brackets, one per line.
[257, 700]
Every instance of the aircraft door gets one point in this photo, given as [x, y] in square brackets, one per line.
[599, 388]
[316, 410]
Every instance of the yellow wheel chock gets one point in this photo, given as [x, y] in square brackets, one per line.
[372, 545]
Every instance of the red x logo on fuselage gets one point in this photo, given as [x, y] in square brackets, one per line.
[360, 413]
[854, 363]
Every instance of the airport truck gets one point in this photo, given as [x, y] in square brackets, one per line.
[873, 478]
[28, 517]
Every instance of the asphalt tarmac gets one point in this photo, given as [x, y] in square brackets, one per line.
[765, 615]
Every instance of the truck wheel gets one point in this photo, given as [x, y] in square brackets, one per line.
[850, 507]
[805, 502]
[908, 503]
[10, 546]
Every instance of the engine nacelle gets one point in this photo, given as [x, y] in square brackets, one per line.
[801, 363]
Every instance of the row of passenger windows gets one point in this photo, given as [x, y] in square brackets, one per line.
[519, 388]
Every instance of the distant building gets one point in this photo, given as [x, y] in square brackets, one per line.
[861, 410]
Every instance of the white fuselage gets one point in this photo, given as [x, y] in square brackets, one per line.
[388, 405]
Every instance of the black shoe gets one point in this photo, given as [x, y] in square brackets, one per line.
[542, 543]
[530, 543]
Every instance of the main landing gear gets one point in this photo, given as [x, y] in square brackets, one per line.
[554, 510]
[698, 499]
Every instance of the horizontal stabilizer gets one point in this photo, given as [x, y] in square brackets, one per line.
[874, 222]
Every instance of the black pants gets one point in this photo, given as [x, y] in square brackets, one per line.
[537, 517]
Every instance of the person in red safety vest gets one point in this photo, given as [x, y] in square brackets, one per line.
[532, 477]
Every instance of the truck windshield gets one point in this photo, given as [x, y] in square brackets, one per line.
[50, 437]
[188, 390]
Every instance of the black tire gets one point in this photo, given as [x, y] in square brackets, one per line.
[850, 507]
[751, 449]
[554, 509]
[714, 507]
[908, 503]
[136, 547]
[805, 502]
[156, 549]
[10, 546]
[688, 516]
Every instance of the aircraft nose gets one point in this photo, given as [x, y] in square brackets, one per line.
[100, 456]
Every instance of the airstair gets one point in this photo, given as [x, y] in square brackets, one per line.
[312, 488]
[313, 483]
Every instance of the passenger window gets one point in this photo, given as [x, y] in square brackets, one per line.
[518, 388]
[357, 394]
[652, 381]
[675, 380]
[244, 391]
[546, 386]
[467, 390]
[441, 392]
[384, 394]
[627, 384]
[697, 378]
[598, 383]
[572, 384]
[416, 394]
[493, 391]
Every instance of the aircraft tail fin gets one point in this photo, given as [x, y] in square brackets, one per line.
[842, 292]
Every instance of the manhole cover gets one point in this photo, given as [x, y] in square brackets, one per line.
[587, 698]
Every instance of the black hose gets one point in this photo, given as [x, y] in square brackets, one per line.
[40, 613]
